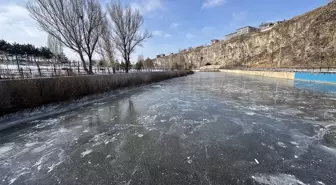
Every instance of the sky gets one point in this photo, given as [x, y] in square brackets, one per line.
[175, 24]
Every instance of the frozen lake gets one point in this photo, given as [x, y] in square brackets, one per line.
[207, 128]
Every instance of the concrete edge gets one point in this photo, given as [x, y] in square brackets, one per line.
[283, 75]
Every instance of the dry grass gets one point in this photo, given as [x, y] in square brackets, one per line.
[20, 94]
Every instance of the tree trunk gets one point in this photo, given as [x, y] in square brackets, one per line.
[83, 61]
[126, 66]
[38, 67]
[17, 63]
[114, 70]
[54, 65]
[90, 67]
[90, 64]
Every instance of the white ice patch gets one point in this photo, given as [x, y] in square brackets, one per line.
[47, 122]
[261, 107]
[291, 112]
[5, 149]
[87, 152]
[279, 179]
[189, 160]
[247, 127]
[294, 143]
[328, 150]
[140, 135]
[63, 130]
[39, 149]
[320, 182]
[250, 113]
[256, 161]
[30, 144]
[85, 131]
[282, 145]
[12, 180]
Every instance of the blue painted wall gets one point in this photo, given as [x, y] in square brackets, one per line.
[317, 77]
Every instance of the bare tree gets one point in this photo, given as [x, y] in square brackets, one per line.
[126, 25]
[148, 63]
[106, 46]
[56, 47]
[141, 60]
[76, 23]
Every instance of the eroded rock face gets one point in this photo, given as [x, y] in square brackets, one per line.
[306, 40]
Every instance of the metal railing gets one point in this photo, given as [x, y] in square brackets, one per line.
[328, 69]
[48, 71]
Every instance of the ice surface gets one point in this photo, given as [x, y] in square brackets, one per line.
[208, 128]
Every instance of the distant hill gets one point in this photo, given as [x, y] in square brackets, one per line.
[306, 40]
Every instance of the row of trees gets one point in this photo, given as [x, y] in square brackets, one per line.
[29, 53]
[141, 64]
[18, 51]
[84, 27]
[144, 64]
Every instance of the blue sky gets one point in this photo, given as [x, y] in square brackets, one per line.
[175, 24]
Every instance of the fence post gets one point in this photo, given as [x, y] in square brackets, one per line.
[21, 73]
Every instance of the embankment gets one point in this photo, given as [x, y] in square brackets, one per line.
[285, 75]
[30, 93]
[329, 78]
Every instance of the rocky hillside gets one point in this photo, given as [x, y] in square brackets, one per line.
[306, 40]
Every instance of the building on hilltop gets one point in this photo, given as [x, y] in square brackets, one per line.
[214, 41]
[247, 29]
[161, 55]
[266, 26]
[269, 25]
[242, 31]
[231, 35]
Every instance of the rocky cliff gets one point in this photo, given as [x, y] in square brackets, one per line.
[306, 40]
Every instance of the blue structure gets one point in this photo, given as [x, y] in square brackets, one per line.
[317, 77]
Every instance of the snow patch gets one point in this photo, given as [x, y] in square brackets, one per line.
[282, 145]
[39, 149]
[250, 113]
[30, 144]
[86, 152]
[5, 149]
[279, 179]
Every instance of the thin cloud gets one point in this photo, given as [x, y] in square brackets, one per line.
[174, 25]
[208, 29]
[157, 33]
[238, 18]
[147, 6]
[18, 26]
[212, 3]
[167, 35]
[190, 35]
